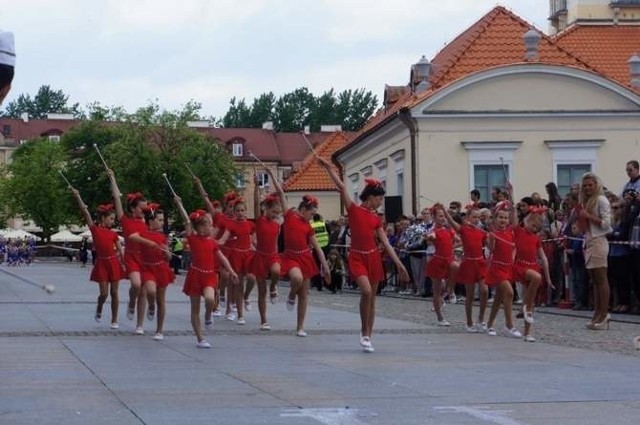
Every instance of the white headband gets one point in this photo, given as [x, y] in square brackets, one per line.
[7, 49]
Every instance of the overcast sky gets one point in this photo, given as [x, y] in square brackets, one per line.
[126, 52]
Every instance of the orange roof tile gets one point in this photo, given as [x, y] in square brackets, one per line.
[608, 47]
[311, 176]
[494, 40]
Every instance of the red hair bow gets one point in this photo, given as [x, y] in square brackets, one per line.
[372, 182]
[133, 196]
[435, 208]
[216, 204]
[311, 200]
[270, 198]
[152, 207]
[471, 206]
[503, 206]
[229, 196]
[197, 214]
[537, 210]
[105, 208]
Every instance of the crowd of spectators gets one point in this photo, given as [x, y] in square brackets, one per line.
[562, 243]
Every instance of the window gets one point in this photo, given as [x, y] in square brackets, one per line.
[399, 183]
[486, 177]
[263, 179]
[237, 149]
[569, 174]
[54, 138]
[382, 171]
[488, 164]
[241, 182]
[353, 183]
[571, 159]
[6, 130]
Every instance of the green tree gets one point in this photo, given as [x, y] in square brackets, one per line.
[140, 149]
[292, 111]
[44, 102]
[34, 189]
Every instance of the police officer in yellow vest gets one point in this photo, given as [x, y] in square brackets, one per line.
[322, 236]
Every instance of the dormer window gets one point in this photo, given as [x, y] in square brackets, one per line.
[54, 138]
[237, 149]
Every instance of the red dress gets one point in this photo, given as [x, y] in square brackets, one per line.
[202, 272]
[221, 222]
[241, 251]
[297, 252]
[527, 246]
[473, 267]
[130, 225]
[364, 256]
[154, 265]
[501, 262]
[439, 267]
[266, 252]
[107, 267]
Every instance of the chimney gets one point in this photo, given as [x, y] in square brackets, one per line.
[307, 129]
[267, 125]
[330, 128]
[634, 70]
[531, 40]
[24, 117]
[198, 124]
[56, 116]
[420, 73]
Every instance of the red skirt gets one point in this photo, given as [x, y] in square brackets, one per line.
[498, 273]
[520, 271]
[366, 264]
[198, 279]
[472, 271]
[304, 261]
[261, 264]
[107, 270]
[161, 274]
[132, 262]
[438, 268]
[240, 261]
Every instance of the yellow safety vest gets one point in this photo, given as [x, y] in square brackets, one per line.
[322, 236]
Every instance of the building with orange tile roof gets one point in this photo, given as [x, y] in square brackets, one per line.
[310, 178]
[502, 100]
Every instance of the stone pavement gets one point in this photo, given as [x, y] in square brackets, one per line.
[58, 366]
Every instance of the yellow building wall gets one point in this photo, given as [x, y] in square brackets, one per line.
[329, 203]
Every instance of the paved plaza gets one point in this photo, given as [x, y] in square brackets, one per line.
[58, 366]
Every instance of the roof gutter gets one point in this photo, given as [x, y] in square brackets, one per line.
[410, 122]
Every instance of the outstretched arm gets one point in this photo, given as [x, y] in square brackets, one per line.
[183, 214]
[279, 190]
[256, 195]
[226, 265]
[115, 192]
[382, 237]
[83, 207]
[204, 195]
[323, 261]
[454, 224]
[346, 198]
[545, 266]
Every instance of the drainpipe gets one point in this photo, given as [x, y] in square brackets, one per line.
[405, 116]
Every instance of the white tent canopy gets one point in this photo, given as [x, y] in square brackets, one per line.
[65, 236]
[19, 234]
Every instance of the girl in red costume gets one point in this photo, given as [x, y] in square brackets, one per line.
[156, 272]
[442, 267]
[202, 278]
[132, 224]
[473, 267]
[108, 268]
[241, 232]
[529, 256]
[266, 261]
[365, 260]
[297, 262]
[220, 220]
[501, 243]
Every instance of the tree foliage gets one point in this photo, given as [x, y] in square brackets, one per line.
[33, 188]
[46, 101]
[292, 111]
[139, 149]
